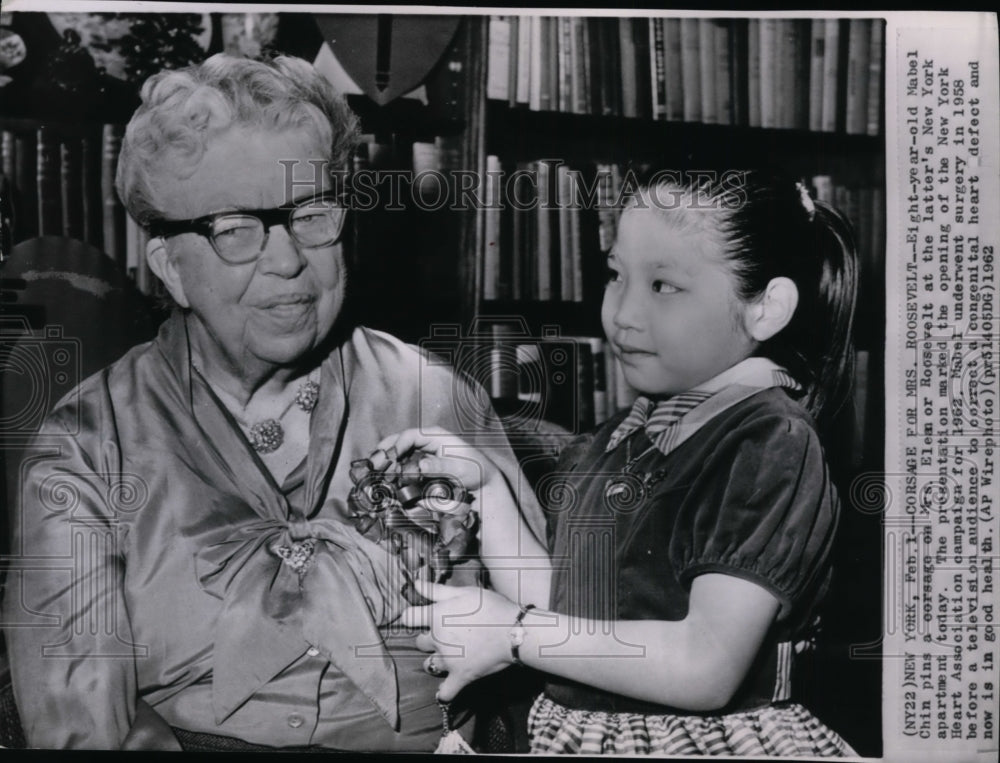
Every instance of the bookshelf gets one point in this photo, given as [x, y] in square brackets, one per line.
[696, 93]
[595, 94]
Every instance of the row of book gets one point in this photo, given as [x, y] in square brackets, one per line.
[545, 236]
[63, 184]
[537, 228]
[809, 74]
[578, 383]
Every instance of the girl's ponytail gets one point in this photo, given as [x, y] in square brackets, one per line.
[829, 348]
[778, 230]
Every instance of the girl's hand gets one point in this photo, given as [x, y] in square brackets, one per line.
[435, 452]
[468, 633]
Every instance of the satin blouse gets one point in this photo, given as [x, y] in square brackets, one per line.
[145, 566]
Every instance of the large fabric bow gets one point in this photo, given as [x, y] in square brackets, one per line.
[290, 585]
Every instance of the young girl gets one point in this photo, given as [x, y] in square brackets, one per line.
[692, 534]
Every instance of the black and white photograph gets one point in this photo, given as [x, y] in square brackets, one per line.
[471, 380]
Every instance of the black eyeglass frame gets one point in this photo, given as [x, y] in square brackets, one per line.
[282, 215]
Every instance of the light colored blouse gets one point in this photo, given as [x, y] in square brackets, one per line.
[146, 538]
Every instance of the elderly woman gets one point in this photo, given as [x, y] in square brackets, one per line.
[200, 572]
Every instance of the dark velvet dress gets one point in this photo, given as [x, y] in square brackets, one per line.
[749, 495]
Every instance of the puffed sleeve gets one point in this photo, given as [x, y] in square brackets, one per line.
[67, 629]
[763, 509]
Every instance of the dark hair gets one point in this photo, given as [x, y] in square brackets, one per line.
[770, 227]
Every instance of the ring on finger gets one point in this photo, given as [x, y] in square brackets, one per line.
[431, 667]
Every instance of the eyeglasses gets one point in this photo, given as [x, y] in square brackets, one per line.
[240, 237]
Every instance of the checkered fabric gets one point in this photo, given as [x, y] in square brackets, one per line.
[773, 731]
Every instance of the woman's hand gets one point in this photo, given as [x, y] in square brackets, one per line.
[468, 633]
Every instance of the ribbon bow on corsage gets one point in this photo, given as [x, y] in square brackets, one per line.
[425, 520]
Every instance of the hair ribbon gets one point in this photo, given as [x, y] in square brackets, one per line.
[806, 199]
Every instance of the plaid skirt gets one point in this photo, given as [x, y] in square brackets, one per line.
[778, 730]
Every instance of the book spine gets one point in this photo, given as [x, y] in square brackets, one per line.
[605, 207]
[546, 235]
[525, 58]
[9, 158]
[555, 68]
[26, 185]
[491, 243]
[584, 385]
[47, 183]
[738, 60]
[6, 217]
[598, 379]
[721, 32]
[498, 59]
[674, 69]
[612, 83]
[644, 82]
[90, 180]
[753, 73]
[657, 69]
[831, 74]
[113, 220]
[768, 71]
[875, 84]
[690, 71]
[538, 63]
[512, 59]
[565, 80]
[71, 187]
[565, 234]
[8, 172]
[627, 52]
[858, 47]
[576, 236]
[598, 52]
[816, 55]
[785, 74]
[802, 43]
[706, 69]
[580, 81]
[503, 366]
[521, 223]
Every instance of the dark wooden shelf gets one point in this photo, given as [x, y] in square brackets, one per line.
[521, 133]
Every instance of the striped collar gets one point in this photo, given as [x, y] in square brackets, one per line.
[669, 422]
